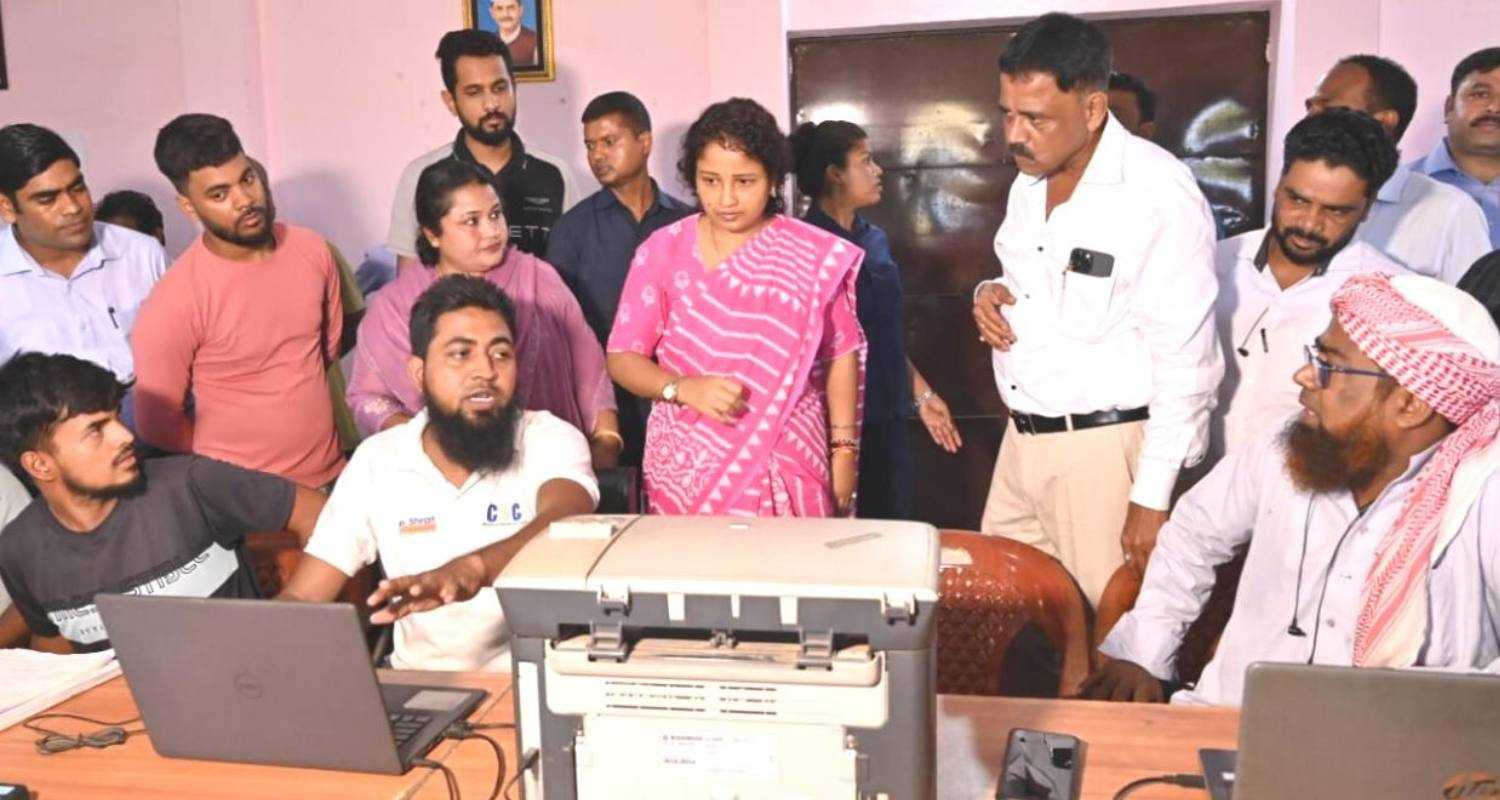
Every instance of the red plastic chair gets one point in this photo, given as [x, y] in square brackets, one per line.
[990, 588]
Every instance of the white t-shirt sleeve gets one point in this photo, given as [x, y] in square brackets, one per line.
[402, 236]
[13, 498]
[343, 536]
[552, 449]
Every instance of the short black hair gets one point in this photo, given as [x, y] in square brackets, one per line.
[1477, 61]
[816, 147]
[40, 391]
[434, 198]
[470, 42]
[741, 124]
[1074, 51]
[194, 141]
[1145, 99]
[1483, 282]
[453, 293]
[129, 203]
[1391, 87]
[27, 151]
[628, 106]
[1342, 137]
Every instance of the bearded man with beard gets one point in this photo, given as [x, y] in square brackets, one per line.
[1275, 283]
[1372, 520]
[107, 522]
[246, 321]
[445, 499]
[535, 188]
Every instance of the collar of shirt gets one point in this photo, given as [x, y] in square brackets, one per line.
[817, 216]
[517, 160]
[1392, 190]
[605, 199]
[1263, 255]
[412, 456]
[15, 260]
[1439, 160]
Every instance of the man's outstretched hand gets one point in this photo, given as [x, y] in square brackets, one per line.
[454, 582]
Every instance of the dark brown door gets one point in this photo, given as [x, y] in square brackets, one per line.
[927, 100]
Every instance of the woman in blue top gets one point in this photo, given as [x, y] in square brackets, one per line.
[835, 170]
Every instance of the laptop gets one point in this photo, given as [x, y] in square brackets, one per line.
[266, 682]
[1335, 732]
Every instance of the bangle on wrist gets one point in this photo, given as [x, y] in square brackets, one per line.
[609, 434]
[916, 405]
[836, 444]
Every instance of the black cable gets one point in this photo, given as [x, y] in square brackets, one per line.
[1295, 629]
[448, 777]
[528, 760]
[109, 733]
[1184, 779]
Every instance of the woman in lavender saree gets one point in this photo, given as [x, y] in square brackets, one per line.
[741, 322]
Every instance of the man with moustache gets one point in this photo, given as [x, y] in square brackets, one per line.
[480, 89]
[246, 321]
[457, 490]
[69, 283]
[107, 522]
[1371, 520]
[1101, 319]
[1429, 227]
[1469, 157]
[593, 244]
[1275, 283]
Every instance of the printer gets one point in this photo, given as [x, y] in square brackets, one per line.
[724, 657]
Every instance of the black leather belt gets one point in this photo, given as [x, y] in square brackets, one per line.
[1035, 423]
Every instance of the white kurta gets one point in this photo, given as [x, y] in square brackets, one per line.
[1249, 498]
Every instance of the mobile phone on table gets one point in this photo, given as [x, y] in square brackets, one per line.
[1040, 765]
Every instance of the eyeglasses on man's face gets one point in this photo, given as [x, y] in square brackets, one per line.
[1324, 369]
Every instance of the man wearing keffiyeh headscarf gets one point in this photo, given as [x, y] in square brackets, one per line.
[1372, 520]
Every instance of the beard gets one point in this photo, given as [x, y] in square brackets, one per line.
[1322, 255]
[233, 236]
[484, 444]
[1320, 462]
[491, 138]
[129, 488]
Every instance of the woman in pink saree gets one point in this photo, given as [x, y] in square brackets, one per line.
[740, 322]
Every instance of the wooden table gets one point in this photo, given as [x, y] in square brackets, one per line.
[133, 769]
[1122, 743]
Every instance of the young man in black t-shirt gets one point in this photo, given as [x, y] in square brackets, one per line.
[106, 522]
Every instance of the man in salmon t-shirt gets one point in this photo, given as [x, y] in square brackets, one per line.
[245, 321]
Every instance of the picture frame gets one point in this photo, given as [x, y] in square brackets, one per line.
[4, 77]
[531, 47]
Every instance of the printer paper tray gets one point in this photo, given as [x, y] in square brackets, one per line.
[679, 659]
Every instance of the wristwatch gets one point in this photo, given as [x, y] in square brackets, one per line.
[669, 392]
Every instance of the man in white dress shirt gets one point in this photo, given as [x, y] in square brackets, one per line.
[1102, 317]
[1372, 520]
[1430, 227]
[1275, 283]
[68, 284]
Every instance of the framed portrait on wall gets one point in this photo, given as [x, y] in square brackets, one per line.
[4, 80]
[526, 28]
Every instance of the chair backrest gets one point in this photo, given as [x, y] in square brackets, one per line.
[619, 490]
[990, 588]
[274, 557]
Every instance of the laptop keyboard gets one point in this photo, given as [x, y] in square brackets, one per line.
[405, 726]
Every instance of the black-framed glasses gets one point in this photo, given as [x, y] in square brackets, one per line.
[1325, 370]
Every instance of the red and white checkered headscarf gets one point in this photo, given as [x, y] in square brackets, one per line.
[1460, 381]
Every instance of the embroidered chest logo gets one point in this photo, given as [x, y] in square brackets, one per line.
[496, 513]
[418, 525]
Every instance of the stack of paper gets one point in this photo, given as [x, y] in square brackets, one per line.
[32, 682]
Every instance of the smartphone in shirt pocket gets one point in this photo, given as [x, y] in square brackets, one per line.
[1087, 288]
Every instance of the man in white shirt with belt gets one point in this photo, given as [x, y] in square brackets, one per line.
[456, 491]
[1102, 317]
[68, 284]
[1275, 283]
[1372, 520]
[1432, 228]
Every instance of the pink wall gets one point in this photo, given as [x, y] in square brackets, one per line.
[337, 95]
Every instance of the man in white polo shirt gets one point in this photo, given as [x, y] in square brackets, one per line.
[1275, 283]
[68, 283]
[1431, 228]
[468, 480]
